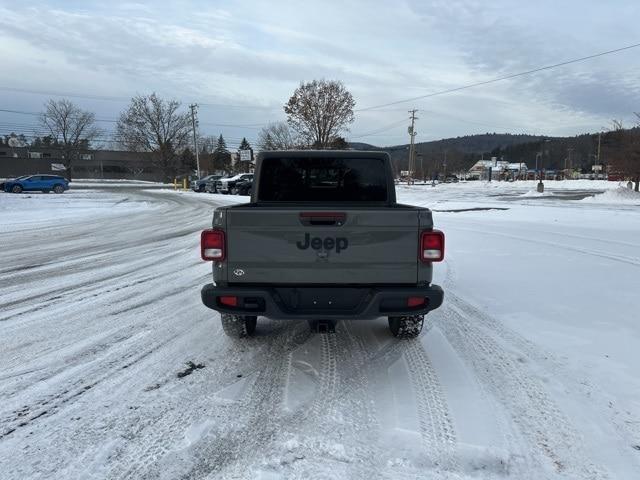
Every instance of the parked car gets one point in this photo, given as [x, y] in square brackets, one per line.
[210, 186]
[199, 185]
[225, 185]
[42, 183]
[242, 187]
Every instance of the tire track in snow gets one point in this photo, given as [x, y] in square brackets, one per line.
[435, 422]
[247, 425]
[625, 259]
[68, 392]
[324, 404]
[539, 419]
[264, 404]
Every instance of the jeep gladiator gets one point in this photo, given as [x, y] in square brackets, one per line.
[322, 239]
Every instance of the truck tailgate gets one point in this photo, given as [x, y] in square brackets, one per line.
[346, 246]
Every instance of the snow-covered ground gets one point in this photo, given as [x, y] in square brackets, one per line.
[529, 370]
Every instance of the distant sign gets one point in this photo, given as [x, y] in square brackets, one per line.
[596, 168]
[58, 167]
[245, 155]
[404, 173]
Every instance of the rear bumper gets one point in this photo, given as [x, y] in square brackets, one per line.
[318, 303]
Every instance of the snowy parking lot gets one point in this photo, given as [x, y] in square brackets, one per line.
[112, 368]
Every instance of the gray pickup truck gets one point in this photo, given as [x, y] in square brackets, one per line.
[322, 239]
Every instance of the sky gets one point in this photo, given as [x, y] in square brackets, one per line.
[241, 60]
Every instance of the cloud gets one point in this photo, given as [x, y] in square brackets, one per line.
[253, 54]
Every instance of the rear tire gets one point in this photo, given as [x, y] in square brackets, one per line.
[58, 189]
[408, 326]
[238, 326]
[16, 189]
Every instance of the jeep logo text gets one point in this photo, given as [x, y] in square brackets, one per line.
[327, 243]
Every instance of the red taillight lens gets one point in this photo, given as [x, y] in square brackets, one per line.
[415, 301]
[228, 301]
[432, 246]
[212, 245]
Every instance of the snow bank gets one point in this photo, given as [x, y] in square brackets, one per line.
[619, 195]
[93, 183]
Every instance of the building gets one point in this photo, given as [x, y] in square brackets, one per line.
[109, 164]
[500, 170]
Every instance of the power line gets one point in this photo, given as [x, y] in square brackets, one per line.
[252, 126]
[499, 79]
[379, 130]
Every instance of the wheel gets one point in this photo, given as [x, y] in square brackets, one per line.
[16, 189]
[238, 326]
[58, 189]
[234, 191]
[200, 188]
[408, 326]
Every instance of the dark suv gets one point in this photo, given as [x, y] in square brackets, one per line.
[200, 185]
[243, 187]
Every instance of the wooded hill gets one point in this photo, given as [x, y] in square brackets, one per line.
[460, 153]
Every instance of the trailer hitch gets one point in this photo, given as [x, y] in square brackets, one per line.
[322, 326]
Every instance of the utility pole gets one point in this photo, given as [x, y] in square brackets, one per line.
[444, 164]
[193, 108]
[599, 139]
[412, 135]
[569, 151]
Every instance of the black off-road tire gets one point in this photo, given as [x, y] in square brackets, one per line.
[16, 189]
[58, 189]
[238, 326]
[408, 326]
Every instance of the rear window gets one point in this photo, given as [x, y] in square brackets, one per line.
[323, 180]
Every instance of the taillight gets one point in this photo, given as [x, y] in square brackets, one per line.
[212, 245]
[228, 301]
[432, 246]
[416, 301]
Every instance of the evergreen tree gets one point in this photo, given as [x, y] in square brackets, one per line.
[221, 156]
[244, 145]
[188, 160]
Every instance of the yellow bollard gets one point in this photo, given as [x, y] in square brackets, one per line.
[184, 183]
[175, 184]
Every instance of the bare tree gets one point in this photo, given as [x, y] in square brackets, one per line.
[152, 124]
[624, 152]
[73, 128]
[320, 110]
[278, 136]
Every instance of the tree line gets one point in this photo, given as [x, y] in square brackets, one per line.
[316, 113]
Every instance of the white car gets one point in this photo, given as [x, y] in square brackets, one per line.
[225, 185]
